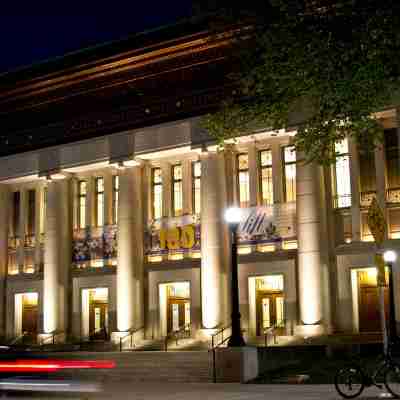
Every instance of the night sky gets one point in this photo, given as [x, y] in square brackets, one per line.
[25, 40]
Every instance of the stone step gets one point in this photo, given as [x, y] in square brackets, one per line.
[147, 366]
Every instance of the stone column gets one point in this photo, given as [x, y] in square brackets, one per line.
[308, 234]
[130, 251]
[57, 256]
[212, 249]
[4, 212]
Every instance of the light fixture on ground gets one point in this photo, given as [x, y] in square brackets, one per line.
[233, 217]
[390, 257]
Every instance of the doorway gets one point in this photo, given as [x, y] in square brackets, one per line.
[175, 307]
[270, 304]
[368, 300]
[26, 316]
[95, 313]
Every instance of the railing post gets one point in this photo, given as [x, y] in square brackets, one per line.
[120, 344]
[214, 367]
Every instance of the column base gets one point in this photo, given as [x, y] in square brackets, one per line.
[236, 364]
[309, 330]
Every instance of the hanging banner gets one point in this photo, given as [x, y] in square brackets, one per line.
[267, 224]
[376, 222]
[177, 235]
[98, 243]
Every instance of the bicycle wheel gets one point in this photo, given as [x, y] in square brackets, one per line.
[349, 382]
[392, 379]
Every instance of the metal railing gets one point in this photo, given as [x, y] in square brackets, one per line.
[272, 331]
[224, 337]
[100, 333]
[184, 332]
[51, 339]
[18, 339]
[131, 335]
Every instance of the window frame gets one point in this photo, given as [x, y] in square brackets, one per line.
[99, 194]
[196, 208]
[239, 171]
[287, 164]
[82, 203]
[153, 193]
[115, 185]
[177, 182]
[263, 168]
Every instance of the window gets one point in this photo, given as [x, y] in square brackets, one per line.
[243, 180]
[177, 190]
[82, 187]
[392, 159]
[99, 201]
[157, 193]
[196, 187]
[31, 212]
[43, 211]
[115, 198]
[289, 169]
[267, 193]
[342, 175]
[16, 213]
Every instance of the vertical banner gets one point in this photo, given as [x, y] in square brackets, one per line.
[267, 224]
[177, 235]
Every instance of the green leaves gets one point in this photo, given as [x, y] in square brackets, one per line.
[330, 68]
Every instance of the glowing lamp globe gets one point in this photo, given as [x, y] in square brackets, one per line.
[389, 256]
[233, 215]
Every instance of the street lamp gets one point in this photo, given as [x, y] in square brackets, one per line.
[390, 257]
[233, 216]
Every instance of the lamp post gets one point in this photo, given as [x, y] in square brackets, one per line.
[390, 257]
[233, 216]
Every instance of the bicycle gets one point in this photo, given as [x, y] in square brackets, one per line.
[351, 380]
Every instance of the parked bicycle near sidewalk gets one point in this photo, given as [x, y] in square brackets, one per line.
[351, 380]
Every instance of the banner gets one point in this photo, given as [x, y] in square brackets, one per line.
[177, 235]
[267, 224]
[98, 243]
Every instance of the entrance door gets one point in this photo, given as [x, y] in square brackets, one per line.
[178, 313]
[29, 316]
[369, 304]
[98, 313]
[270, 311]
[29, 319]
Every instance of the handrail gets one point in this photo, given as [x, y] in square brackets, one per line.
[95, 331]
[214, 346]
[52, 336]
[131, 333]
[183, 331]
[18, 338]
[271, 330]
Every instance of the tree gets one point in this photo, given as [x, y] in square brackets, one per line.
[324, 67]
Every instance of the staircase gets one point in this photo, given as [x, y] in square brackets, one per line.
[147, 366]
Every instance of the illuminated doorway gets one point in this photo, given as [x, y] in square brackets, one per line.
[26, 315]
[95, 313]
[175, 307]
[366, 304]
[270, 303]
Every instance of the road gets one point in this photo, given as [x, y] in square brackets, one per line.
[169, 391]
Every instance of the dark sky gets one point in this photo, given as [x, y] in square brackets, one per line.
[25, 40]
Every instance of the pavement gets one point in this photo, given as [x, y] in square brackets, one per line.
[173, 391]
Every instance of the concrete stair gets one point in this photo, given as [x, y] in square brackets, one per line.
[146, 366]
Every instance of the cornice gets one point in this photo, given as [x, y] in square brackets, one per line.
[108, 73]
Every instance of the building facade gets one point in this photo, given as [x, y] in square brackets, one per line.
[112, 205]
